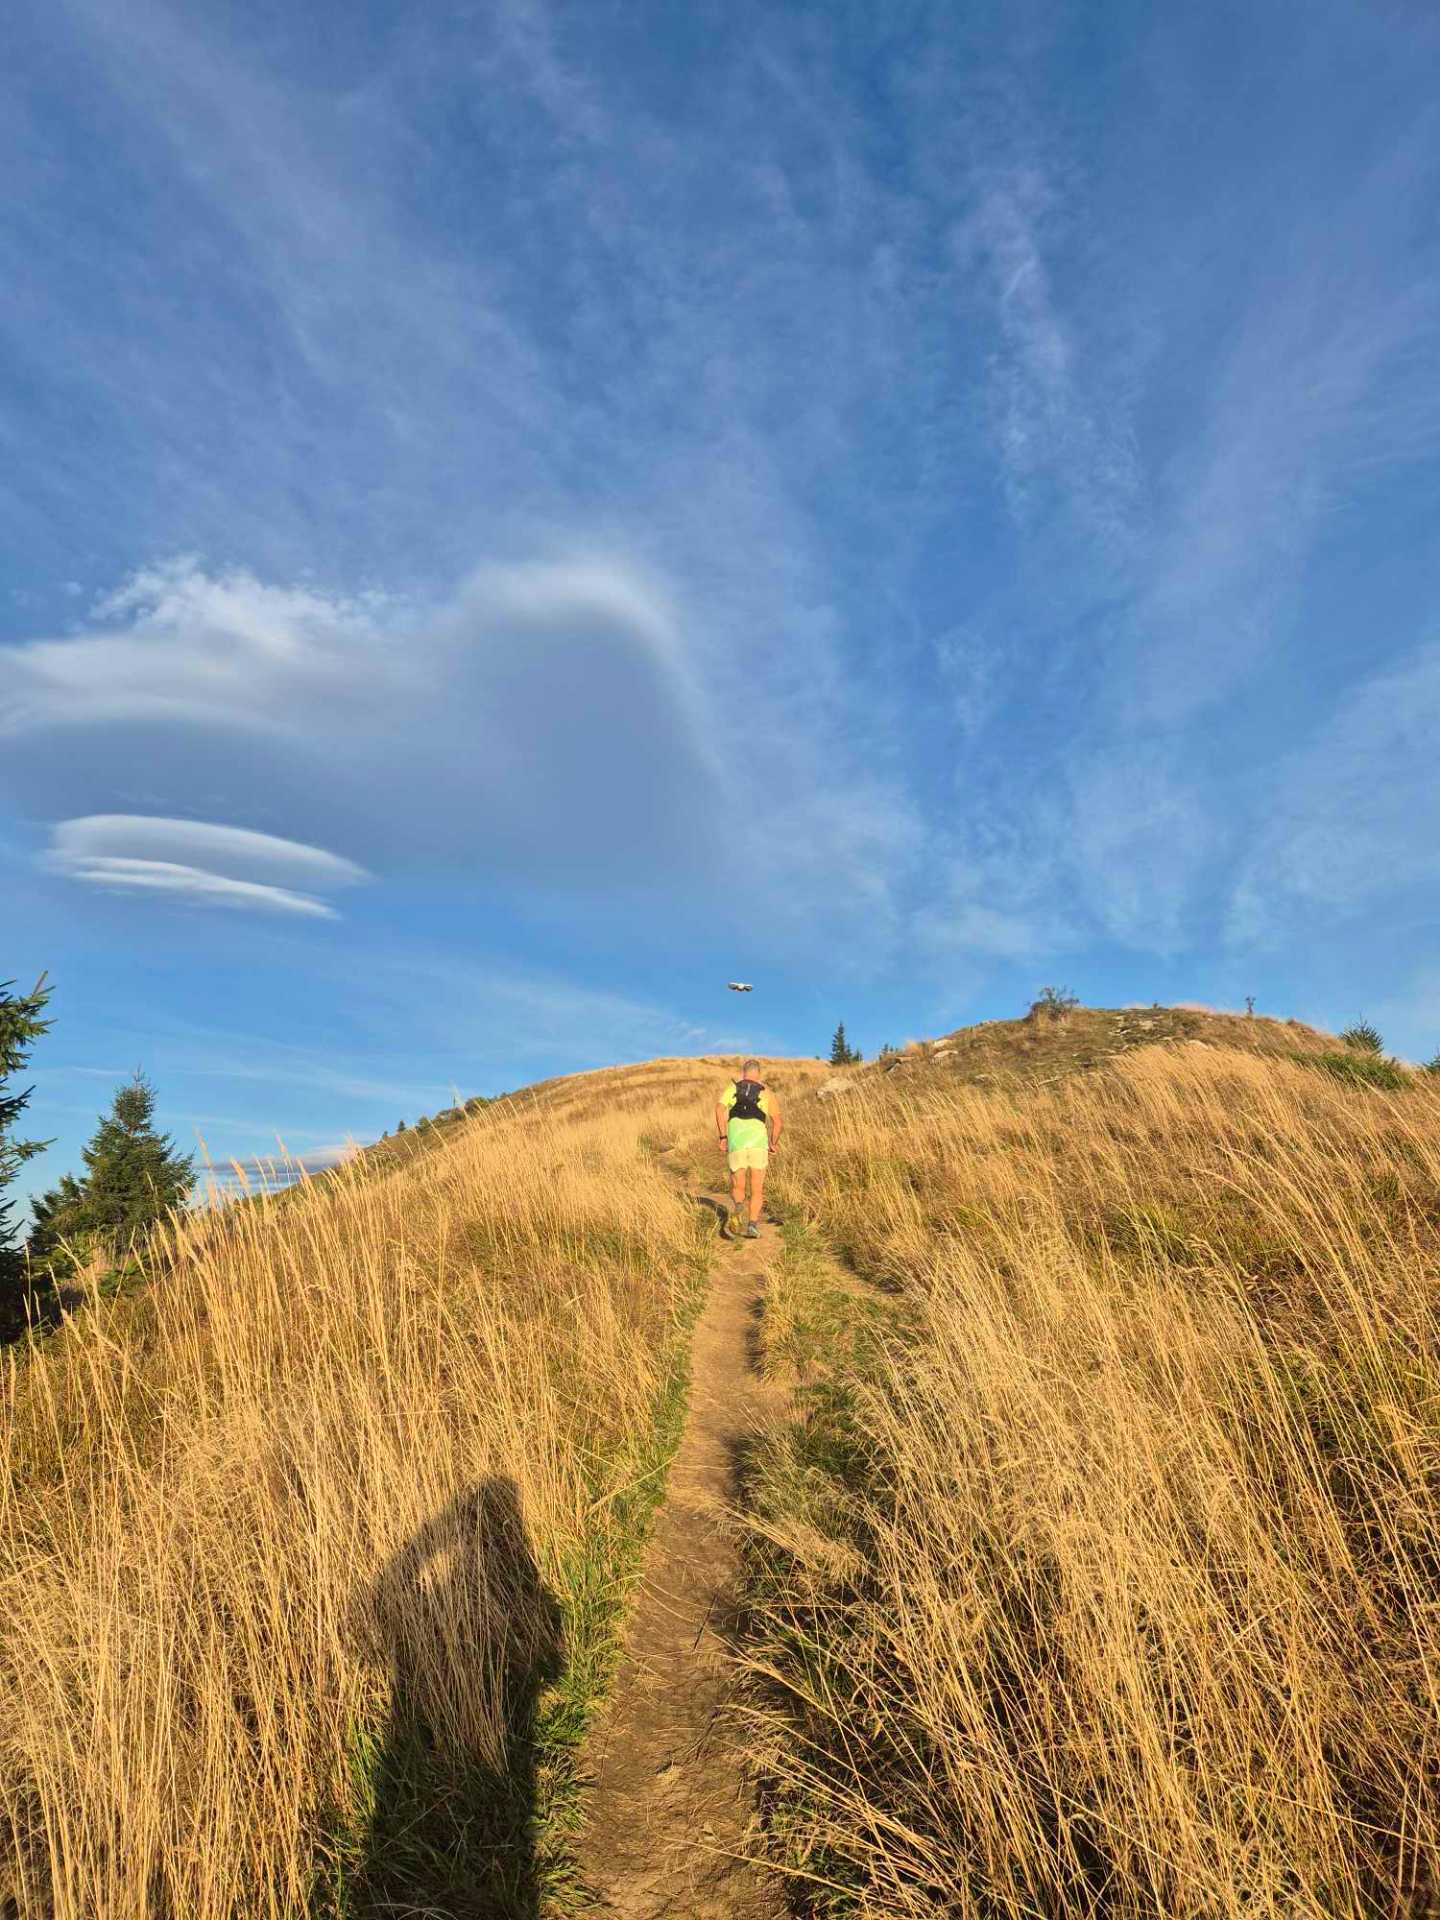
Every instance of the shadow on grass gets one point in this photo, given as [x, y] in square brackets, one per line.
[452, 1779]
[719, 1208]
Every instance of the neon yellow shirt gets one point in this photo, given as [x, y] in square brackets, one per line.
[745, 1133]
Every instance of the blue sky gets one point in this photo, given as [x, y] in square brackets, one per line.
[516, 514]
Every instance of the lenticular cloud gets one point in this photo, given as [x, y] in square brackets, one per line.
[201, 862]
[479, 728]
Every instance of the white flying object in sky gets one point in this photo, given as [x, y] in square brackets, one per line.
[738, 986]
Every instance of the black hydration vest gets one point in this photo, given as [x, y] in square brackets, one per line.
[746, 1104]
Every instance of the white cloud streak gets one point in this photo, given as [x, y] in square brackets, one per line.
[127, 853]
[1317, 397]
[1355, 817]
[224, 850]
[194, 885]
[1050, 431]
[180, 646]
[555, 716]
[712, 460]
[482, 1015]
[1194, 562]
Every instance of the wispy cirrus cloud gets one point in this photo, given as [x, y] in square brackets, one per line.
[1354, 816]
[886, 464]
[624, 377]
[1329, 382]
[473, 1009]
[1061, 432]
[1172, 521]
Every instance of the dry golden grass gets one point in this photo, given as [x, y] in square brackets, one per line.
[240, 1512]
[313, 1549]
[1050, 1045]
[1100, 1573]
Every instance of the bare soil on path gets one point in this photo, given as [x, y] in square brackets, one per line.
[671, 1828]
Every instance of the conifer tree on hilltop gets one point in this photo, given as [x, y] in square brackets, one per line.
[20, 1026]
[134, 1176]
[842, 1054]
[56, 1219]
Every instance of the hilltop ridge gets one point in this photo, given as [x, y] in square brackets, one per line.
[1032, 1049]
[1045, 1044]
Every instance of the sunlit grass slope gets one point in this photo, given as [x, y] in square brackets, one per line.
[1100, 1572]
[312, 1549]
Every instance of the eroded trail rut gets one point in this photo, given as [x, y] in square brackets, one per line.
[671, 1827]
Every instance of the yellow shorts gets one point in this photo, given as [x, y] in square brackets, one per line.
[742, 1157]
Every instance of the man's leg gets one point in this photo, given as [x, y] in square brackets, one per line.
[757, 1194]
[737, 1194]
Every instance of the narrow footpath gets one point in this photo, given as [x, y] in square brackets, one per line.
[671, 1824]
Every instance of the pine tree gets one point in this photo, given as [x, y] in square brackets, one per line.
[1364, 1037]
[840, 1054]
[133, 1174]
[20, 1026]
[57, 1218]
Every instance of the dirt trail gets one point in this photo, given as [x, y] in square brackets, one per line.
[670, 1819]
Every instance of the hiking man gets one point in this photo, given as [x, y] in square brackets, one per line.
[747, 1119]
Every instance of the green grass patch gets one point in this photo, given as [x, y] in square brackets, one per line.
[814, 1316]
[812, 1478]
[1153, 1233]
[1360, 1069]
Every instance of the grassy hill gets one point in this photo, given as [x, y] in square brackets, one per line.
[1047, 1044]
[249, 1662]
[1098, 1573]
[1092, 1567]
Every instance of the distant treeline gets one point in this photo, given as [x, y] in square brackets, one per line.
[90, 1221]
[93, 1220]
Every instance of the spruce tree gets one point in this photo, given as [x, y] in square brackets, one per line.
[57, 1218]
[134, 1176]
[840, 1054]
[20, 1026]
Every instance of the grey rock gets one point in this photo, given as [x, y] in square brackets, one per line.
[828, 1089]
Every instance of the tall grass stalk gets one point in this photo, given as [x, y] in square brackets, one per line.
[1100, 1575]
[206, 1488]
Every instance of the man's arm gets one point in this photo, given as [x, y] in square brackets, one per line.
[721, 1120]
[775, 1121]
